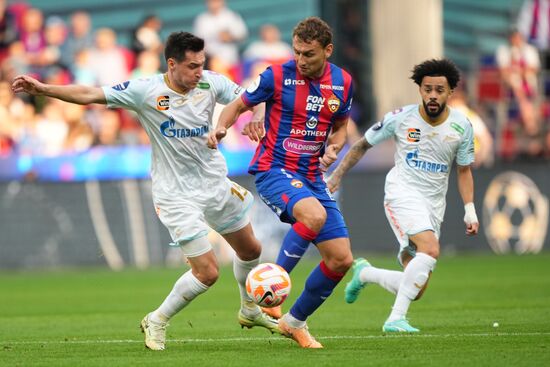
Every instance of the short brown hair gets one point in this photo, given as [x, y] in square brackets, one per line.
[313, 29]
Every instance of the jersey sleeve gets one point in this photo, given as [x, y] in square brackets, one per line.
[225, 89]
[345, 110]
[128, 95]
[260, 90]
[465, 153]
[384, 129]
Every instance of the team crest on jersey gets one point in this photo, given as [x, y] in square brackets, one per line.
[297, 183]
[333, 103]
[163, 103]
[413, 135]
[120, 87]
[311, 123]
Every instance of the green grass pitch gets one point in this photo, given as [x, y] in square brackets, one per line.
[90, 317]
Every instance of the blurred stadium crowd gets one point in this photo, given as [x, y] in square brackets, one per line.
[73, 51]
[59, 52]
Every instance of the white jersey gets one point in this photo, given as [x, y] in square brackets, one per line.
[178, 126]
[424, 154]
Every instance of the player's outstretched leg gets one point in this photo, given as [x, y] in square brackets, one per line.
[247, 246]
[186, 288]
[319, 285]
[355, 285]
[415, 277]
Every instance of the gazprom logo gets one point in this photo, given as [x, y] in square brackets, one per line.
[434, 167]
[168, 129]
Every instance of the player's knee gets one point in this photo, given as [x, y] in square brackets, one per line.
[340, 264]
[315, 220]
[433, 252]
[251, 251]
[208, 275]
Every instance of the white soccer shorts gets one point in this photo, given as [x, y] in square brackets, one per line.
[190, 218]
[408, 216]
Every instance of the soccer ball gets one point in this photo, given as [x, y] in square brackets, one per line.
[268, 285]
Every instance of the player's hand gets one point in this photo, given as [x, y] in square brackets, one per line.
[333, 183]
[254, 130]
[329, 157]
[25, 83]
[215, 136]
[470, 219]
[472, 229]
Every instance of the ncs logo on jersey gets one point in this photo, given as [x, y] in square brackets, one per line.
[413, 135]
[297, 183]
[121, 86]
[333, 103]
[163, 103]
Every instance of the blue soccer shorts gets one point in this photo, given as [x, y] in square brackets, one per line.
[281, 190]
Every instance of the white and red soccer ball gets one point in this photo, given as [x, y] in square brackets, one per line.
[268, 285]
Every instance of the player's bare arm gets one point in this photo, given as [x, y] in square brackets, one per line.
[227, 118]
[466, 189]
[255, 129]
[354, 154]
[335, 143]
[78, 94]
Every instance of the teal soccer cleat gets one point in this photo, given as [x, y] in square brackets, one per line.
[399, 326]
[355, 285]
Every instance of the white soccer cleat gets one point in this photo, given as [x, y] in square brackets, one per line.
[155, 333]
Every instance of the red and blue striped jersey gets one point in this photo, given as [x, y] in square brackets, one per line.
[299, 116]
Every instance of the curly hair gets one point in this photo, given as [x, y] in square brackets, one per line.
[313, 29]
[433, 67]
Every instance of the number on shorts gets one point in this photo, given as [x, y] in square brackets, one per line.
[238, 191]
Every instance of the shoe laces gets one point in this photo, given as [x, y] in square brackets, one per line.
[157, 330]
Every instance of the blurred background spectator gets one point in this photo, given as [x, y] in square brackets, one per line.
[269, 48]
[483, 141]
[8, 29]
[146, 37]
[100, 46]
[222, 30]
[519, 65]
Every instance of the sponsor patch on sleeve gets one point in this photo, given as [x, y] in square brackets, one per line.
[121, 86]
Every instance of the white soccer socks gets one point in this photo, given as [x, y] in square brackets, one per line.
[187, 287]
[241, 269]
[414, 278]
[387, 279]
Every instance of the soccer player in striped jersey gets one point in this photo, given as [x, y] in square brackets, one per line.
[428, 137]
[308, 102]
[191, 191]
